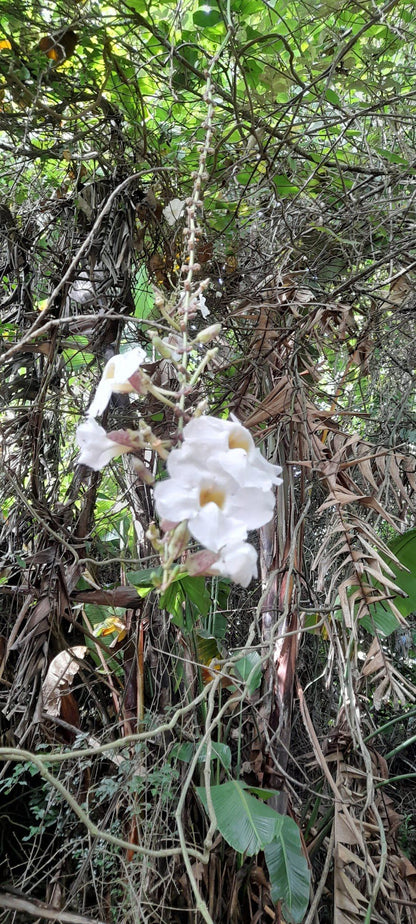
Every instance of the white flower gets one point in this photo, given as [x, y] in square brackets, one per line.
[173, 211]
[82, 290]
[97, 449]
[206, 502]
[115, 377]
[218, 509]
[230, 447]
[238, 562]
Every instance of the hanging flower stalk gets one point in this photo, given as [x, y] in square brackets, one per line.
[219, 486]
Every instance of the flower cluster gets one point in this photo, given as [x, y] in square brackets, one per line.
[219, 485]
[223, 487]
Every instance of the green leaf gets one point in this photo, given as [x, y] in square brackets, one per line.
[206, 17]
[333, 98]
[172, 600]
[183, 750]
[75, 358]
[250, 669]
[197, 592]
[392, 158]
[216, 622]
[382, 619]
[288, 870]
[249, 825]
[143, 578]
[264, 794]
[245, 822]
[404, 548]
[207, 647]
[284, 186]
[143, 295]
[219, 751]
[245, 176]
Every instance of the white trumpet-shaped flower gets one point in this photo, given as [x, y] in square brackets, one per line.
[116, 375]
[232, 447]
[97, 448]
[206, 502]
[237, 562]
[219, 482]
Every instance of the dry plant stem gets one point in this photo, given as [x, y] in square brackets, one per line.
[321, 884]
[200, 903]
[383, 860]
[324, 766]
[41, 911]
[119, 744]
[116, 699]
[14, 633]
[65, 322]
[57, 536]
[207, 774]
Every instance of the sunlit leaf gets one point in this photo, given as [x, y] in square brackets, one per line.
[205, 17]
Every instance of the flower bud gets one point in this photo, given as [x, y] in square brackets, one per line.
[179, 540]
[161, 346]
[209, 333]
[142, 471]
[153, 535]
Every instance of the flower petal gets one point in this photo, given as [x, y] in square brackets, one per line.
[238, 562]
[213, 529]
[234, 450]
[175, 501]
[252, 506]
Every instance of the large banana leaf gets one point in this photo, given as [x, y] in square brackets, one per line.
[246, 823]
[249, 825]
[288, 870]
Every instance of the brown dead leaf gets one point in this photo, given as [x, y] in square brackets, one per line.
[346, 831]
[381, 693]
[406, 871]
[61, 673]
[375, 659]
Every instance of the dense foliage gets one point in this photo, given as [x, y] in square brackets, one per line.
[181, 748]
